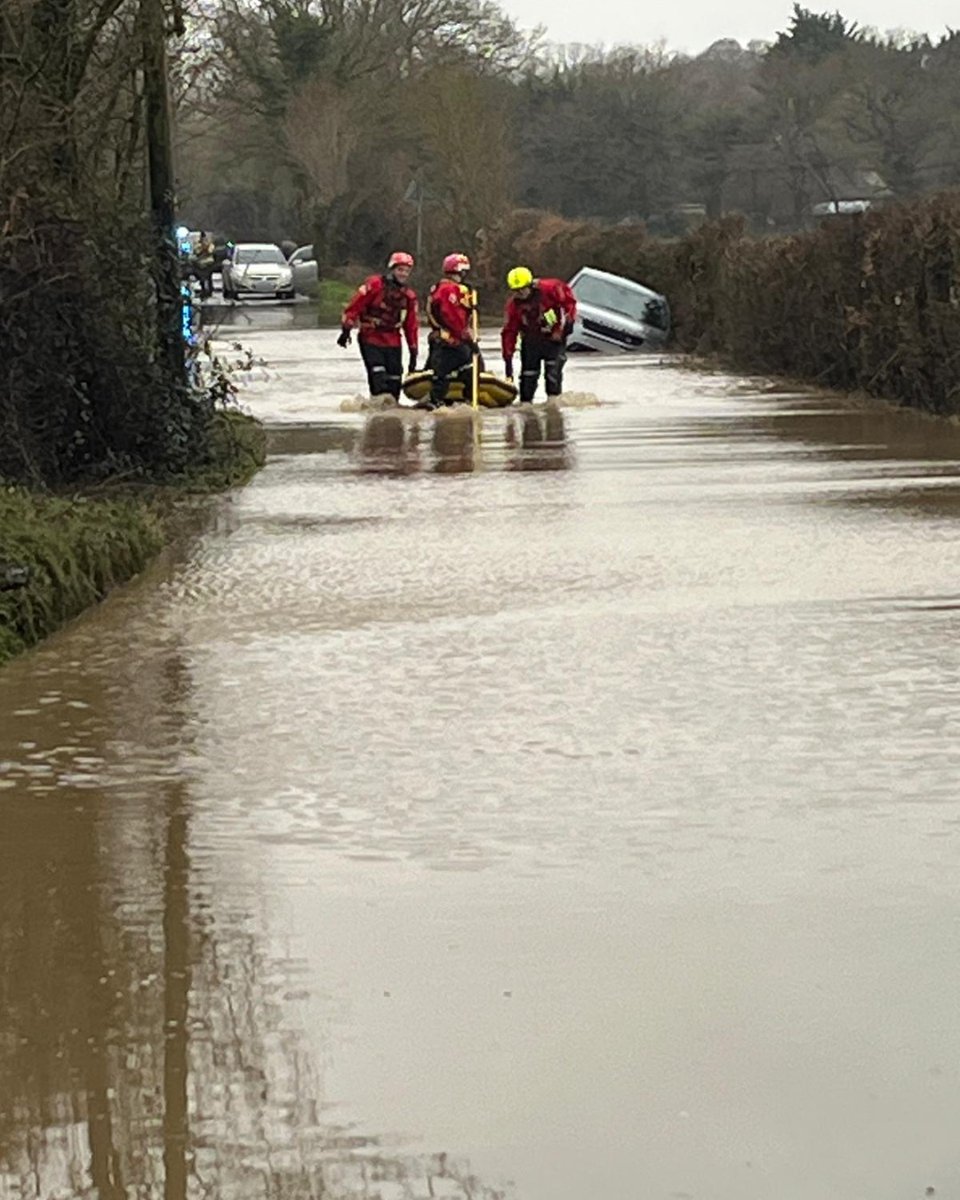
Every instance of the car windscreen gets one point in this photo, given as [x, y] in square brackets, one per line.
[607, 293]
[258, 254]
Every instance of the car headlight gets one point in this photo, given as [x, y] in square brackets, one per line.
[286, 274]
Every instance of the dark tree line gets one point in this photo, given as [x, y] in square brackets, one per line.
[336, 122]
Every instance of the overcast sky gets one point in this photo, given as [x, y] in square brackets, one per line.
[691, 25]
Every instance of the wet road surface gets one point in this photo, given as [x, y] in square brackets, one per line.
[564, 814]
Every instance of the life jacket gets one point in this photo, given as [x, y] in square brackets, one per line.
[449, 312]
[544, 315]
[387, 305]
[380, 307]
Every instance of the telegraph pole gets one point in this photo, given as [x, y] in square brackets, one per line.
[419, 218]
[160, 173]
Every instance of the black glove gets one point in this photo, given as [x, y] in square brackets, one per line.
[567, 330]
[508, 367]
[473, 347]
[413, 362]
[344, 338]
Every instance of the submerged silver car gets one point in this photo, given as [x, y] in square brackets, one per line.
[257, 269]
[615, 313]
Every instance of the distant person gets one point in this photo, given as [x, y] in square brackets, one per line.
[382, 307]
[203, 257]
[450, 311]
[541, 313]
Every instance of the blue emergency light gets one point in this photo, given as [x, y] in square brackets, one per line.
[187, 314]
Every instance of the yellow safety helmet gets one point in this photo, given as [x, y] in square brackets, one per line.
[519, 277]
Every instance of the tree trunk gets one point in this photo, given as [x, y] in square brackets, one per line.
[162, 188]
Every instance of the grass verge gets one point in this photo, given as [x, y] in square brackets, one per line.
[331, 295]
[75, 548]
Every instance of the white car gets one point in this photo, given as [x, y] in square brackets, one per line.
[256, 269]
[615, 313]
[305, 272]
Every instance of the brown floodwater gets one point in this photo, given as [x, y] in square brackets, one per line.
[561, 812]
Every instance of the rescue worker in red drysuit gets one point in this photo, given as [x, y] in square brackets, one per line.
[452, 345]
[379, 309]
[541, 312]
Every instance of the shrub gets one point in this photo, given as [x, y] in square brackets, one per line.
[84, 392]
[867, 302]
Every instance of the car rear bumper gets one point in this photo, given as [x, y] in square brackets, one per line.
[590, 334]
[260, 287]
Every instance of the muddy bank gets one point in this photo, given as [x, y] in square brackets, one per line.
[61, 553]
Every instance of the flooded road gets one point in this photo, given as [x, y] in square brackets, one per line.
[566, 815]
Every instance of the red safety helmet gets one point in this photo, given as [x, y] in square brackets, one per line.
[400, 258]
[455, 263]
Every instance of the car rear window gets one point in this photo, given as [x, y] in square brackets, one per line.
[606, 293]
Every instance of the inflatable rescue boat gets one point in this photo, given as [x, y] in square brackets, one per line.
[493, 391]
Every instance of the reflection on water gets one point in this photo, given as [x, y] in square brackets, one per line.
[541, 437]
[145, 1048]
[454, 808]
[458, 441]
[218, 316]
[310, 439]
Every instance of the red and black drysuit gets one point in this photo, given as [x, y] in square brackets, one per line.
[450, 312]
[380, 307]
[543, 320]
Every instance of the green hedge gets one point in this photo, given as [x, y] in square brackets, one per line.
[236, 448]
[84, 390]
[331, 295]
[76, 548]
[867, 302]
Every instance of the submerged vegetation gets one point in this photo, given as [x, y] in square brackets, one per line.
[234, 450]
[74, 549]
[60, 553]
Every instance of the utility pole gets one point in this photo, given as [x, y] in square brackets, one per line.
[419, 218]
[159, 139]
[415, 195]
